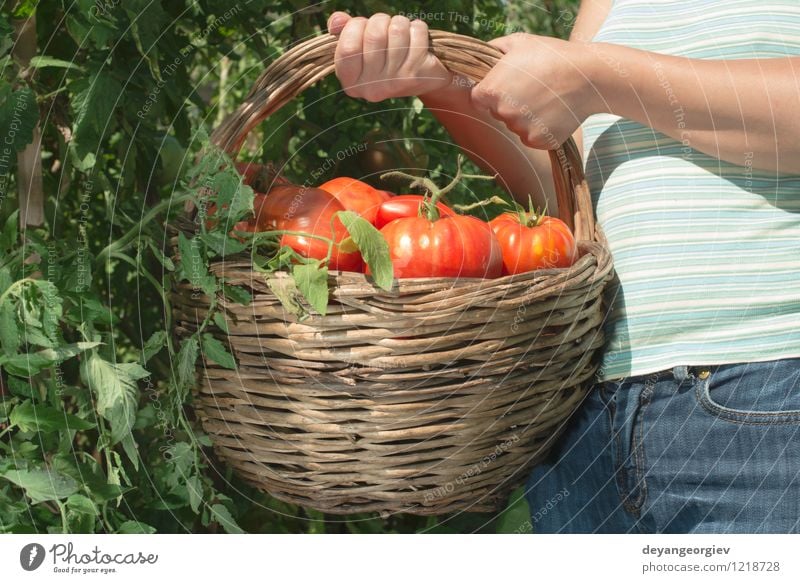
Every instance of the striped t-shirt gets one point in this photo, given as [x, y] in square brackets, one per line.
[707, 253]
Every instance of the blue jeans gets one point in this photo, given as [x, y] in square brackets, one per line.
[690, 450]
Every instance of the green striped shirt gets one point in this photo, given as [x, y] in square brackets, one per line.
[707, 253]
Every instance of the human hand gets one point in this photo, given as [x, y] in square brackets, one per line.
[540, 89]
[385, 56]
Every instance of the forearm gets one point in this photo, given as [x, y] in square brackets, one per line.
[737, 111]
[522, 171]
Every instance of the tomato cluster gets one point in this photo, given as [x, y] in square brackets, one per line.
[426, 238]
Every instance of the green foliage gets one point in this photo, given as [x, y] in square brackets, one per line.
[96, 434]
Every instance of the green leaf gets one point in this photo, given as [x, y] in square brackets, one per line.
[195, 490]
[194, 266]
[52, 310]
[221, 322]
[187, 359]
[41, 484]
[233, 198]
[30, 417]
[81, 514]
[286, 291]
[26, 365]
[130, 448]
[372, 245]
[88, 472]
[10, 233]
[117, 393]
[153, 345]
[312, 281]
[162, 258]
[222, 244]
[222, 515]
[6, 35]
[214, 350]
[92, 310]
[237, 294]
[5, 279]
[147, 26]
[41, 61]
[20, 387]
[93, 101]
[135, 527]
[9, 332]
[19, 114]
[24, 9]
[282, 260]
[516, 518]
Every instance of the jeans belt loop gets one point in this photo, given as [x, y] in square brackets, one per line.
[680, 373]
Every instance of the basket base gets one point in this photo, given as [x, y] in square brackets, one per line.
[482, 486]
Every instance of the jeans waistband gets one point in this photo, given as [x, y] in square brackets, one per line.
[679, 373]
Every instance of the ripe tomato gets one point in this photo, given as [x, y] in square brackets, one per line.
[356, 196]
[403, 206]
[451, 246]
[306, 210]
[531, 241]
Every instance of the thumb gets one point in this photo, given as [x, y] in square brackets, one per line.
[505, 43]
[336, 22]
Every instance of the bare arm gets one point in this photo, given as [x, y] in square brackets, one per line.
[740, 111]
[521, 171]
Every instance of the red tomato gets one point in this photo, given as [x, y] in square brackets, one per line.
[452, 246]
[403, 206]
[537, 242]
[311, 211]
[356, 196]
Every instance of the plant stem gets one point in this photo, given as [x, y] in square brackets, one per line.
[143, 272]
[63, 510]
[122, 242]
[436, 193]
[270, 234]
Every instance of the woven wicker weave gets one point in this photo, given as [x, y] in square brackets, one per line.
[432, 398]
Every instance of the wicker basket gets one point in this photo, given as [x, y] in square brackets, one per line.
[435, 397]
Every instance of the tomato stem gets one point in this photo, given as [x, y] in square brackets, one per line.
[433, 193]
[266, 235]
[533, 216]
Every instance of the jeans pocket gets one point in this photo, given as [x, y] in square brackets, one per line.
[751, 394]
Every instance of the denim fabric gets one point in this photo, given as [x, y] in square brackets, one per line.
[689, 450]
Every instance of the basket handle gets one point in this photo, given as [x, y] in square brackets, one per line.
[308, 62]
